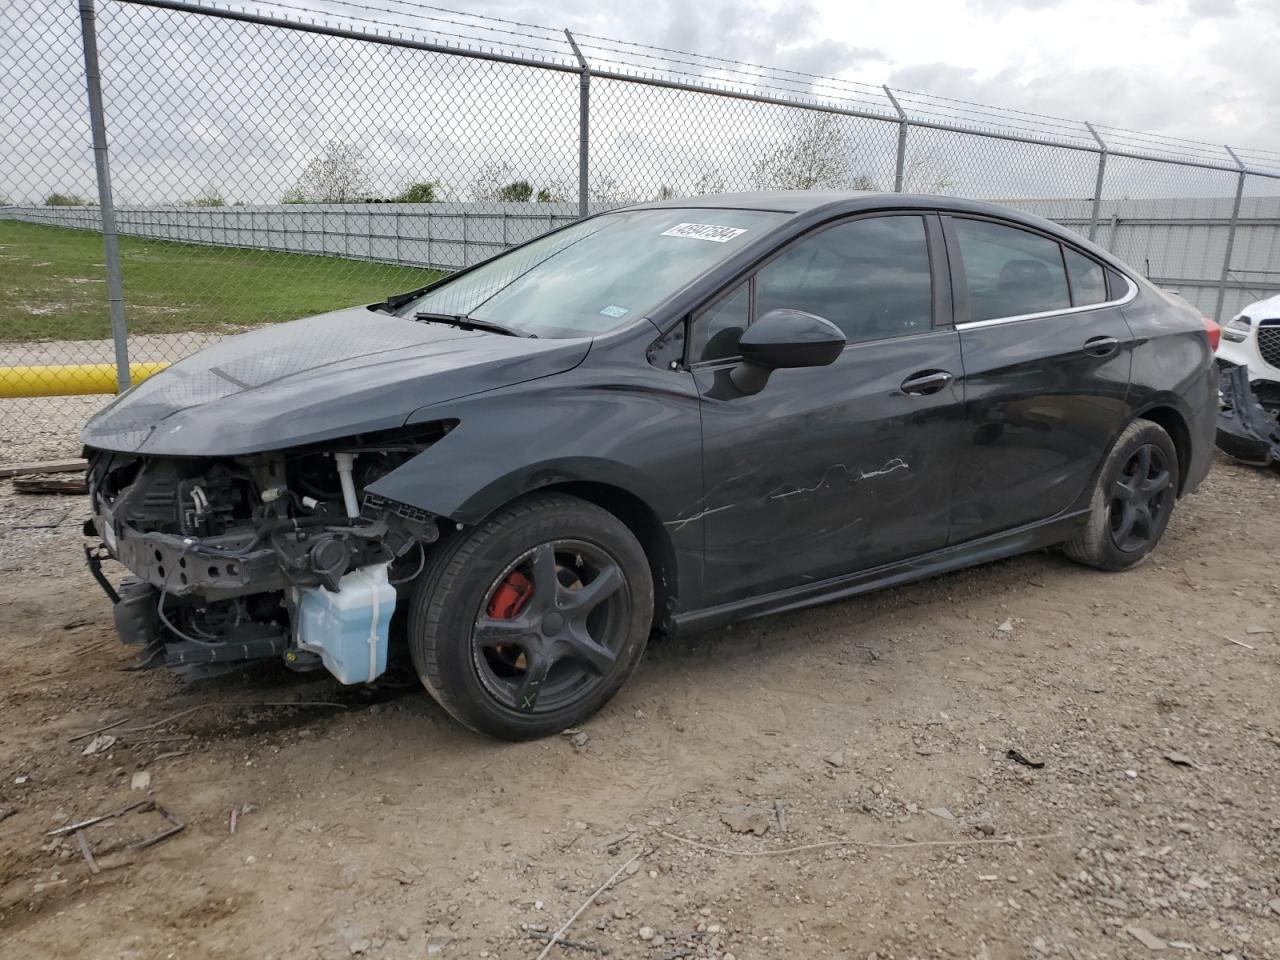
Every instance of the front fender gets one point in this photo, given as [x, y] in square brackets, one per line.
[634, 428]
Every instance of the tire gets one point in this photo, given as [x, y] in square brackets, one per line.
[1117, 536]
[530, 622]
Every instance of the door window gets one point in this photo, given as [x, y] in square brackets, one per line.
[1088, 282]
[1010, 272]
[716, 328]
[869, 277]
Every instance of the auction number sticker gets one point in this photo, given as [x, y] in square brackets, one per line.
[704, 231]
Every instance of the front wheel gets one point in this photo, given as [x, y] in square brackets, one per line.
[1132, 501]
[532, 621]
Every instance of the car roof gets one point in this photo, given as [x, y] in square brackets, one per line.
[817, 205]
[806, 201]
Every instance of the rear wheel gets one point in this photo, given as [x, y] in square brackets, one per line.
[1132, 501]
[530, 622]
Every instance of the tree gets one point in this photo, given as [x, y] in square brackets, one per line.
[65, 200]
[711, 181]
[420, 192]
[926, 173]
[817, 153]
[606, 189]
[210, 196]
[337, 175]
[665, 192]
[491, 179]
[517, 191]
[557, 191]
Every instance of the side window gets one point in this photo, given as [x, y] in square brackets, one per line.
[1009, 271]
[716, 329]
[868, 277]
[1088, 282]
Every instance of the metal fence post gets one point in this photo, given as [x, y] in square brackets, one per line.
[584, 124]
[1231, 236]
[1097, 186]
[903, 124]
[110, 239]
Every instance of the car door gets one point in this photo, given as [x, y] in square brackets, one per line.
[1047, 356]
[828, 470]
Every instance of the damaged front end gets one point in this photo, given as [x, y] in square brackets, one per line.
[261, 556]
[1248, 424]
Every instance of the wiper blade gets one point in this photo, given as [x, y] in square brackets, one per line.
[469, 323]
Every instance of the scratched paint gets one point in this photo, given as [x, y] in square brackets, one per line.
[679, 524]
[897, 463]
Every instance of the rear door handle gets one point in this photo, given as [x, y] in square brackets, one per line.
[1101, 346]
[926, 382]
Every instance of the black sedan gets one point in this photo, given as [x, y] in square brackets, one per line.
[667, 417]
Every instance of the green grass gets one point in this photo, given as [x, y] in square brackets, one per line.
[53, 285]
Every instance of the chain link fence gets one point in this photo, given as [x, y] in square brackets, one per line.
[264, 164]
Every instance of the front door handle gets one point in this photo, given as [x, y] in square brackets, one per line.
[1101, 346]
[926, 382]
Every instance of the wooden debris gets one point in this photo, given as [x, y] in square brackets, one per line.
[90, 733]
[42, 467]
[171, 755]
[40, 484]
[73, 827]
[555, 937]
[178, 827]
[571, 944]
[871, 844]
[87, 853]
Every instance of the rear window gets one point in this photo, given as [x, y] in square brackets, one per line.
[1088, 280]
[1010, 272]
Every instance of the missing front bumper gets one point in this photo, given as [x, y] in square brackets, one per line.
[1246, 431]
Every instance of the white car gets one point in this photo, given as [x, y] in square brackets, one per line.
[1252, 339]
[1249, 357]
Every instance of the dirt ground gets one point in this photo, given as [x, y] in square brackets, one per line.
[369, 824]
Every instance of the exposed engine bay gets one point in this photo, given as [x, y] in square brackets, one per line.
[272, 555]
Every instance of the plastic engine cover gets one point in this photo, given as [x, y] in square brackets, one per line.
[349, 628]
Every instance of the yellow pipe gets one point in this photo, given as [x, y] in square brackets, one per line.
[68, 379]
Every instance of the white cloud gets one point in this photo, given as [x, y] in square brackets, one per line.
[192, 101]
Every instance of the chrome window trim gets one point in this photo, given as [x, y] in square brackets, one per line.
[1066, 311]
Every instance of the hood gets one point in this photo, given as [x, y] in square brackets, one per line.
[1268, 309]
[325, 377]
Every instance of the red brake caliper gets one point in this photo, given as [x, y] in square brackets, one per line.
[510, 597]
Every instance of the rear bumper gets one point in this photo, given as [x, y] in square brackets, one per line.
[1201, 425]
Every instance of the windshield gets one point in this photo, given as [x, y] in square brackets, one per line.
[595, 275]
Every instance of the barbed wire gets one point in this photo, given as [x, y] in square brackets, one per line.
[563, 55]
[646, 61]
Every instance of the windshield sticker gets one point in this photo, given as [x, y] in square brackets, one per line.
[615, 311]
[704, 231]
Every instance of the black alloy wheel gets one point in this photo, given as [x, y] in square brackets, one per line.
[530, 621]
[1132, 499]
[1142, 497]
[551, 626]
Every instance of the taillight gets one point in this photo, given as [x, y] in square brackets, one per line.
[1215, 333]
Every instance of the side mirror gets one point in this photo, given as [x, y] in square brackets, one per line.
[782, 339]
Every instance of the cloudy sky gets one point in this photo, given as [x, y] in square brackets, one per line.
[198, 105]
[1201, 69]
